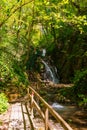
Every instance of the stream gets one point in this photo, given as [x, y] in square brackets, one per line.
[64, 110]
[76, 117]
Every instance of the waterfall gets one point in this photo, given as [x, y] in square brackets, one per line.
[50, 73]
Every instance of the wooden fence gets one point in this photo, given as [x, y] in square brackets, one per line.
[33, 98]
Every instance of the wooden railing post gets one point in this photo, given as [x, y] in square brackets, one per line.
[46, 119]
[28, 91]
[32, 99]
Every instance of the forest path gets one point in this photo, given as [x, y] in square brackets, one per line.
[16, 118]
[13, 120]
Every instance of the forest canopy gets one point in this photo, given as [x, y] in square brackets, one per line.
[60, 26]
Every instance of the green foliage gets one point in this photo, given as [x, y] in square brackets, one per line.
[80, 82]
[19, 74]
[77, 93]
[3, 103]
[80, 76]
[60, 26]
[82, 100]
[11, 71]
[80, 87]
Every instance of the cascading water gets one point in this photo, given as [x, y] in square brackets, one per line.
[50, 73]
[57, 106]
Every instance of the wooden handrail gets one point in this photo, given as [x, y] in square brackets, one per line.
[48, 109]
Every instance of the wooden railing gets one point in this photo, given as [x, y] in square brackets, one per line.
[33, 95]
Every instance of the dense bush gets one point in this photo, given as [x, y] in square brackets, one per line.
[80, 87]
[12, 72]
[80, 82]
[3, 103]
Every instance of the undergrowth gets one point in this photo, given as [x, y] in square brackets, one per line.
[3, 103]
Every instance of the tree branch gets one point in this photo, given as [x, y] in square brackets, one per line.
[3, 22]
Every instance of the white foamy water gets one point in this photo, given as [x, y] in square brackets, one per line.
[57, 106]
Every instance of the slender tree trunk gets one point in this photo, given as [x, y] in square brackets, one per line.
[29, 34]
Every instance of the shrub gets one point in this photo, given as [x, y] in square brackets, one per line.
[3, 103]
[80, 82]
[80, 88]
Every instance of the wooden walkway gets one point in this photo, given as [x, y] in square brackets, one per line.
[16, 118]
[34, 113]
[16, 121]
